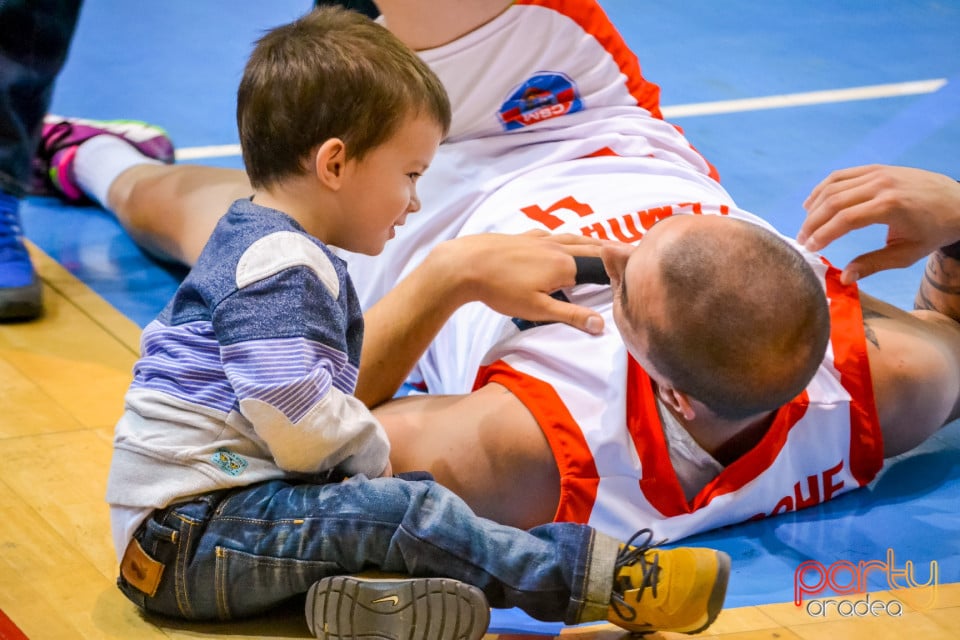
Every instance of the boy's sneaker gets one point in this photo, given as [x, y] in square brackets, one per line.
[395, 608]
[60, 137]
[20, 288]
[679, 590]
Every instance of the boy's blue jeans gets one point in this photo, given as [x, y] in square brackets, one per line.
[240, 552]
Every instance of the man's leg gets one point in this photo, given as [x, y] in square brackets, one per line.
[125, 167]
[171, 210]
[35, 36]
[485, 446]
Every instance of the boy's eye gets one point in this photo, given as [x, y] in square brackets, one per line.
[413, 176]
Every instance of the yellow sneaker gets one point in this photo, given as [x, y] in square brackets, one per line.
[679, 590]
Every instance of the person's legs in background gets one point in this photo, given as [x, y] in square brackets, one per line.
[35, 37]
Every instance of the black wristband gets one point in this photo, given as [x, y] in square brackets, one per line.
[951, 250]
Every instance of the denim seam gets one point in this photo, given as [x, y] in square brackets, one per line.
[180, 586]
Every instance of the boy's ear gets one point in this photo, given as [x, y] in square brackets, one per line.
[329, 162]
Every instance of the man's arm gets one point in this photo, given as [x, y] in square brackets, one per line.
[915, 366]
[915, 357]
[512, 274]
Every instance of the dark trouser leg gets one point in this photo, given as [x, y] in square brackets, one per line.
[34, 39]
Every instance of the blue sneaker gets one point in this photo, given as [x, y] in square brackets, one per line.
[20, 289]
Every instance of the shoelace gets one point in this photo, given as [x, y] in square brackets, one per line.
[632, 553]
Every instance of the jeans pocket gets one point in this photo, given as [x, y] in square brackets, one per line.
[158, 542]
[248, 584]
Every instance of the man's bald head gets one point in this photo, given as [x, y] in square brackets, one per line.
[727, 312]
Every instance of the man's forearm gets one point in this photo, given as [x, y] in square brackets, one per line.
[940, 288]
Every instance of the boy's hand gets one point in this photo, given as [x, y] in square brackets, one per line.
[515, 274]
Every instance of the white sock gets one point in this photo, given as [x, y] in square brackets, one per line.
[100, 160]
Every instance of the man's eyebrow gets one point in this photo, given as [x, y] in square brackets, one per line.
[623, 290]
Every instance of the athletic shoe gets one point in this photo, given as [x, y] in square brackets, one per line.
[395, 608]
[53, 162]
[20, 289]
[679, 590]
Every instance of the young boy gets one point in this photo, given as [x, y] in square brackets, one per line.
[226, 486]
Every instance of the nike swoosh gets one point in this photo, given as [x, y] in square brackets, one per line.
[394, 600]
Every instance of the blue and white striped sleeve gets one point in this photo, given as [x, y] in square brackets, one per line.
[285, 350]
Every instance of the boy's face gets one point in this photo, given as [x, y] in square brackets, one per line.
[380, 190]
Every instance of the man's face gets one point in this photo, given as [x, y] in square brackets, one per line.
[638, 295]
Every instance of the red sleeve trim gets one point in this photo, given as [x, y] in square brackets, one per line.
[578, 472]
[850, 359]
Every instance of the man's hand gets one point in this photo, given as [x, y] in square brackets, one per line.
[515, 274]
[920, 208]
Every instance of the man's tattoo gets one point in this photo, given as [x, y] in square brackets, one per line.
[940, 288]
[868, 332]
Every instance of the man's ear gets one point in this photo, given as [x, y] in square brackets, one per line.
[678, 401]
[614, 256]
[329, 162]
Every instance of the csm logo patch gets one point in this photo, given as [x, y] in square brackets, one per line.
[542, 97]
[229, 462]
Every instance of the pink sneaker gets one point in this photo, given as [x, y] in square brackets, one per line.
[53, 163]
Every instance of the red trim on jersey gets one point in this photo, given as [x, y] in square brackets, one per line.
[753, 463]
[579, 478]
[591, 17]
[659, 482]
[850, 359]
[599, 153]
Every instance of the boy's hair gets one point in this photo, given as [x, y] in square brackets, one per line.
[333, 73]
